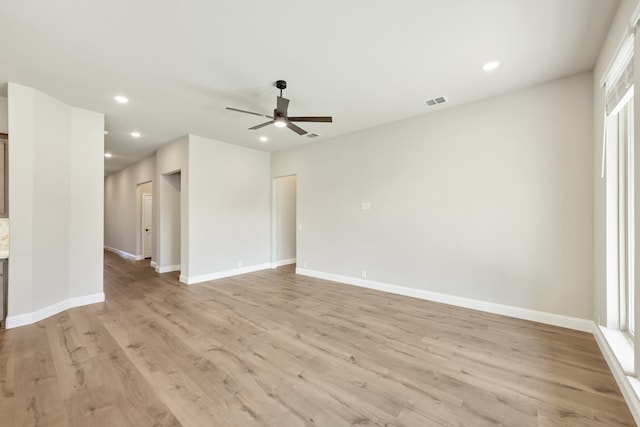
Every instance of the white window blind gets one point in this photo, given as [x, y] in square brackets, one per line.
[620, 77]
[618, 82]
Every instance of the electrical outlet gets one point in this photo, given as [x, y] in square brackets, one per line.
[364, 274]
[239, 263]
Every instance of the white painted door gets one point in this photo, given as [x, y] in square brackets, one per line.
[147, 232]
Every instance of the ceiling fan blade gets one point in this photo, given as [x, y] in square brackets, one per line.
[296, 129]
[283, 104]
[327, 119]
[249, 112]
[261, 125]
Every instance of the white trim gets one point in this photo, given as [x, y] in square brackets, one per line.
[153, 264]
[190, 280]
[621, 346]
[629, 386]
[167, 268]
[490, 307]
[43, 313]
[282, 262]
[124, 254]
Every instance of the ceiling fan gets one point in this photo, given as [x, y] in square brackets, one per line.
[280, 117]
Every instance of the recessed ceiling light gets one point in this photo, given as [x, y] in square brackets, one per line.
[263, 139]
[491, 65]
[121, 99]
[135, 134]
[107, 155]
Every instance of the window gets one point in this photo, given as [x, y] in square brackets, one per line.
[622, 119]
[618, 163]
[621, 180]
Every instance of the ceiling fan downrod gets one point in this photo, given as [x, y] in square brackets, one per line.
[281, 84]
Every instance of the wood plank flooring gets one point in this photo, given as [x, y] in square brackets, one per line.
[274, 349]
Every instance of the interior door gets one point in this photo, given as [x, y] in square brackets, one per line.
[147, 232]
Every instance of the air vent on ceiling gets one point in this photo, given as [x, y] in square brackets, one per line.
[312, 135]
[436, 101]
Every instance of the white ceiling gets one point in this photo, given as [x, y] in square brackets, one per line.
[365, 62]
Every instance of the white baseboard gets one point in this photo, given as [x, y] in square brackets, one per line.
[167, 268]
[490, 307]
[282, 262]
[124, 254]
[153, 264]
[43, 313]
[628, 384]
[190, 280]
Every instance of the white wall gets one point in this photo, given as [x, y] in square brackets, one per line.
[86, 202]
[212, 208]
[121, 205]
[56, 200]
[229, 208]
[490, 201]
[21, 200]
[285, 218]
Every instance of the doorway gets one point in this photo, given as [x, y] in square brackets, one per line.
[284, 221]
[144, 228]
[169, 228]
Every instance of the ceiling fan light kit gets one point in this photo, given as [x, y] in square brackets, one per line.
[280, 116]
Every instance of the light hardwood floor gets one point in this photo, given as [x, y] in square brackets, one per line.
[274, 349]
